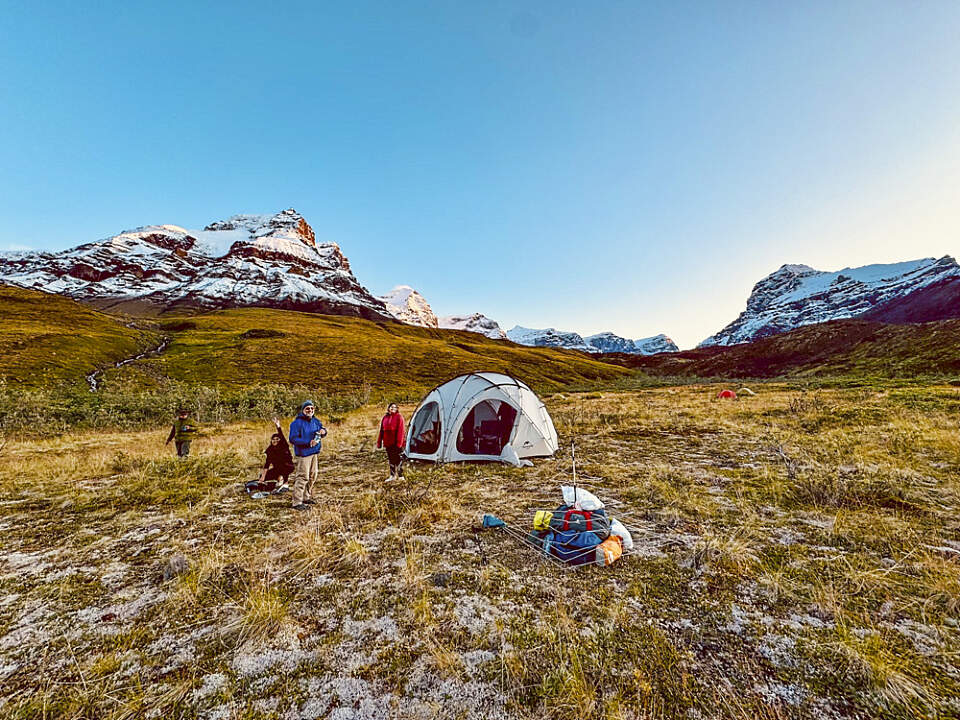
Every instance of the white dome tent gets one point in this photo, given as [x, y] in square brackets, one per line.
[481, 416]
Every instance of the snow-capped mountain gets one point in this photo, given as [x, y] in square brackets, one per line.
[548, 337]
[410, 307]
[605, 342]
[608, 342]
[247, 260]
[655, 344]
[797, 295]
[473, 323]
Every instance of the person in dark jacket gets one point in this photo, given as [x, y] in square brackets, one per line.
[278, 466]
[306, 434]
[183, 432]
[392, 437]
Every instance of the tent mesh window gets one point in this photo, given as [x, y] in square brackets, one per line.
[425, 433]
[486, 428]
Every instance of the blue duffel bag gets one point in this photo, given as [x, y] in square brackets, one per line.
[574, 548]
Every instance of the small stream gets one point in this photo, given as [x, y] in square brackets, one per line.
[92, 378]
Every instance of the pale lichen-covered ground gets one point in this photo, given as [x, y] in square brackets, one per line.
[798, 555]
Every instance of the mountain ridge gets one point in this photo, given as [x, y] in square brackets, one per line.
[243, 261]
[797, 295]
[835, 348]
[605, 342]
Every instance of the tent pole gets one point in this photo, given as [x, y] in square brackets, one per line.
[573, 454]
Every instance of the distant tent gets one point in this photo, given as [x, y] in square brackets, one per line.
[727, 394]
[481, 416]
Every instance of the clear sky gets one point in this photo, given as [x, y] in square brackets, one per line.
[609, 165]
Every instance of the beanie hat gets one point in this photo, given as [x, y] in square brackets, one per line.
[305, 403]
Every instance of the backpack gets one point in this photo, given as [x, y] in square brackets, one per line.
[567, 519]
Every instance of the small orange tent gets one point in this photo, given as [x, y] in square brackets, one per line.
[727, 394]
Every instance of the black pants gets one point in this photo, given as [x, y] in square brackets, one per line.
[280, 474]
[395, 455]
[183, 448]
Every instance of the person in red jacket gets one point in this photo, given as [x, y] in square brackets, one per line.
[392, 438]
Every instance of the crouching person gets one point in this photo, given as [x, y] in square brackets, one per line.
[277, 468]
[306, 433]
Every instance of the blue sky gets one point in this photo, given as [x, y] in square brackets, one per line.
[625, 166]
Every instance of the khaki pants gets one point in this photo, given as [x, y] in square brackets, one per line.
[307, 469]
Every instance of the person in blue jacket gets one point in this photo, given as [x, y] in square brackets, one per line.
[306, 433]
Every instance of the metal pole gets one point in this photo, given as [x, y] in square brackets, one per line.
[573, 454]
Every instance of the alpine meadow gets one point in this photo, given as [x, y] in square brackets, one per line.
[480, 360]
[797, 550]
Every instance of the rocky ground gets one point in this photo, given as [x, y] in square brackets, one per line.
[797, 555]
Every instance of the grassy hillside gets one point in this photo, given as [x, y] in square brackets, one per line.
[48, 339]
[841, 347]
[237, 364]
[797, 556]
[241, 348]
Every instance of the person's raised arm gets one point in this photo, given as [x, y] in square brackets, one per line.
[283, 438]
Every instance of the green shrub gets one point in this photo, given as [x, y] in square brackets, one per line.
[57, 408]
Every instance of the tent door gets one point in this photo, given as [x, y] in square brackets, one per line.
[425, 430]
[487, 428]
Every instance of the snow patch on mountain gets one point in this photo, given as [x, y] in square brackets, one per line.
[476, 322]
[409, 306]
[797, 295]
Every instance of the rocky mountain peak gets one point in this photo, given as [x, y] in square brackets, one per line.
[654, 345]
[476, 322]
[409, 306]
[287, 222]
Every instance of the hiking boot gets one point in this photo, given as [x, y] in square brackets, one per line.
[301, 506]
[389, 479]
[309, 501]
[401, 478]
[281, 490]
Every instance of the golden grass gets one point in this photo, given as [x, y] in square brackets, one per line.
[381, 359]
[824, 521]
[46, 339]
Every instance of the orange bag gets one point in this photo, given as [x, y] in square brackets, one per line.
[609, 551]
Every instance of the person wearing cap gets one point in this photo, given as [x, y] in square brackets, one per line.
[306, 433]
[184, 430]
